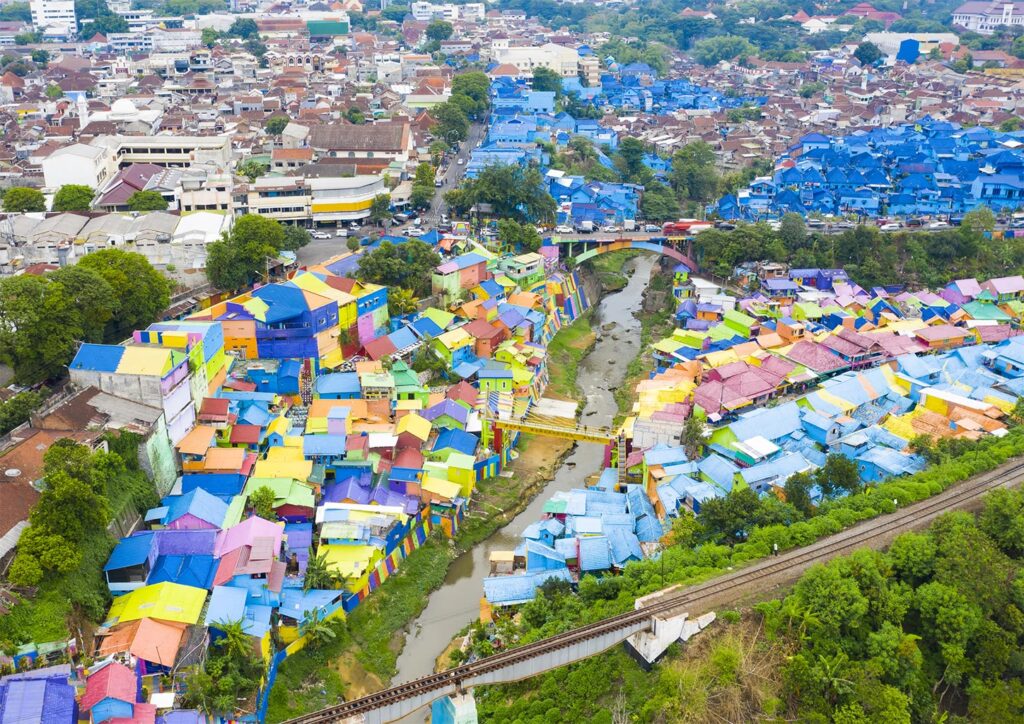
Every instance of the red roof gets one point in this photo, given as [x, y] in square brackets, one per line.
[214, 408]
[113, 681]
[245, 434]
[379, 348]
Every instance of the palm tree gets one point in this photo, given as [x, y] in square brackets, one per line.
[317, 630]
[320, 574]
[236, 643]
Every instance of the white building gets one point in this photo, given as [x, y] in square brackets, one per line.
[425, 11]
[564, 61]
[986, 16]
[78, 164]
[53, 14]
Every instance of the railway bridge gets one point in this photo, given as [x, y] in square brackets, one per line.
[756, 579]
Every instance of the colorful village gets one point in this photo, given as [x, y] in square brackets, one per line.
[306, 388]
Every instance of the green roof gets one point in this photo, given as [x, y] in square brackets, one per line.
[327, 27]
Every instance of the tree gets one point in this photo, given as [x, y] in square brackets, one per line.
[693, 440]
[979, 220]
[437, 150]
[355, 115]
[693, 174]
[421, 196]
[867, 53]
[519, 236]
[712, 51]
[37, 335]
[40, 57]
[209, 37]
[798, 492]
[316, 630]
[659, 203]
[53, 92]
[252, 169]
[473, 86]
[16, 11]
[838, 475]
[241, 255]
[295, 237]
[244, 28]
[104, 20]
[401, 302]
[380, 208]
[16, 410]
[275, 125]
[320, 574]
[439, 30]
[728, 519]
[629, 159]
[511, 191]
[262, 502]
[92, 299]
[793, 231]
[452, 123]
[147, 201]
[142, 292]
[685, 530]
[72, 197]
[407, 265]
[352, 244]
[545, 79]
[1002, 520]
[21, 199]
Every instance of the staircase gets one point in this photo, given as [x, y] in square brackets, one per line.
[622, 459]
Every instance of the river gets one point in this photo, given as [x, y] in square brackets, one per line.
[457, 602]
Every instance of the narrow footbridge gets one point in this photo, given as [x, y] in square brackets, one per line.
[754, 580]
[559, 427]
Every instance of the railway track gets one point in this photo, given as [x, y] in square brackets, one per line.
[875, 532]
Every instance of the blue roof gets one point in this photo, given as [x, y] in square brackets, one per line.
[187, 570]
[492, 288]
[43, 695]
[226, 605]
[426, 327]
[720, 470]
[323, 444]
[520, 588]
[197, 503]
[458, 440]
[132, 551]
[337, 383]
[595, 554]
[97, 357]
[403, 338]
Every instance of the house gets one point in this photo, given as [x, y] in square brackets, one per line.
[42, 695]
[111, 692]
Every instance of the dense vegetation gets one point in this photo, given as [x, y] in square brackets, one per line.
[692, 556]
[63, 551]
[871, 257]
[243, 255]
[100, 299]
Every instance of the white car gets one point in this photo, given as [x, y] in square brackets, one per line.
[891, 226]
[563, 230]
[460, 162]
[938, 225]
[610, 229]
[320, 235]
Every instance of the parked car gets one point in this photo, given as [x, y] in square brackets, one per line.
[320, 235]
[563, 229]
[652, 228]
[815, 224]
[438, 182]
[844, 225]
[914, 223]
[891, 226]
[1017, 224]
[341, 233]
[727, 226]
[610, 229]
[938, 226]
[365, 241]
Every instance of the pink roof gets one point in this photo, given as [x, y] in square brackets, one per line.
[815, 357]
[113, 681]
[1005, 285]
[246, 533]
[968, 287]
[942, 331]
[144, 714]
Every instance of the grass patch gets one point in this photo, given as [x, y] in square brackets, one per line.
[608, 268]
[568, 347]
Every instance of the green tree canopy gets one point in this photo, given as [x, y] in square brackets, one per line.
[867, 53]
[21, 199]
[712, 51]
[520, 236]
[72, 197]
[409, 265]
[142, 293]
[295, 237]
[511, 191]
[452, 123]
[545, 79]
[252, 169]
[244, 28]
[91, 296]
[439, 30]
[659, 203]
[380, 208]
[37, 330]
[241, 256]
[147, 201]
[275, 125]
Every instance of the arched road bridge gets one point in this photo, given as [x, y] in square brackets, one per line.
[765, 575]
[581, 248]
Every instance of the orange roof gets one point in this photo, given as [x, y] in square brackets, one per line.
[224, 458]
[197, 441]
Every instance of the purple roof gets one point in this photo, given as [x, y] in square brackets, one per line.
[447, 407]
[349, 489]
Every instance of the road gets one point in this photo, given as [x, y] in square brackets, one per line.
[454, 171]
[745, 584]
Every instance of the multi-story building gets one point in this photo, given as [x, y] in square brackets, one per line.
[78, 164]
[987, 16]
[325, 194]
[564, 61]
[53, 14]
[170, 151]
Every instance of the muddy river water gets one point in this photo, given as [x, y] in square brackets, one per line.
[457, 602]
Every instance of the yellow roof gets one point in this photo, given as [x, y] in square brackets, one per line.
[454, 337]
[349, 560]
[155, 361]
[312, 283]
[441, 488]
[283, 468]
[415, 425]
[197, 441]
[166, 601]
[412, 404]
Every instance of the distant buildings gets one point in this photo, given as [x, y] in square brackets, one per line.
[987, 16]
